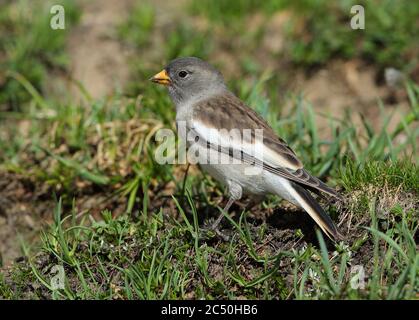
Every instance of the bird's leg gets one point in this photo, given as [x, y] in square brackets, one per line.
[221, 216]
[235, 192]
[254, 202]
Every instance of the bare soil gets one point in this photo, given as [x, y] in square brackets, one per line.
[23, 209]
[98, 60]
[27, 206]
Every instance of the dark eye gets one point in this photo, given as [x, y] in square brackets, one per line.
[183, 74]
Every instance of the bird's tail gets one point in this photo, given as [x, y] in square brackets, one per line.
[304, 199]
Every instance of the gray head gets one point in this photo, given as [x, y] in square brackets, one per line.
[190, 79]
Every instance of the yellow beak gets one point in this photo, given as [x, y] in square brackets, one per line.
[161, 78]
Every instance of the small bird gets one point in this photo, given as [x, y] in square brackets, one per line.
[208, 109]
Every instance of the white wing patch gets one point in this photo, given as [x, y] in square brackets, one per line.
[240, 140]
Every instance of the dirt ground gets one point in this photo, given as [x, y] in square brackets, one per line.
[22, 212]
[26, 206]
[98, 61]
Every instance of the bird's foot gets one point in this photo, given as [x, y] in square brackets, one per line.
[221, 235]
[212, 231]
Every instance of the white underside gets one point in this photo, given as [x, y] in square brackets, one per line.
[252, 181]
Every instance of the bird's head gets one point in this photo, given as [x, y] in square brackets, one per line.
[190, 78]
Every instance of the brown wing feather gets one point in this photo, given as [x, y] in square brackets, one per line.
[229, 112]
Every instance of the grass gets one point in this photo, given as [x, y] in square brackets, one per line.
[313, 42]
[228, 12]
[29, 47]
[136, 29]
[124, 227]
[159, 257]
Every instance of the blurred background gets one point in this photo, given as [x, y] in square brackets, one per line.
[77, 112]
[306, 47]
